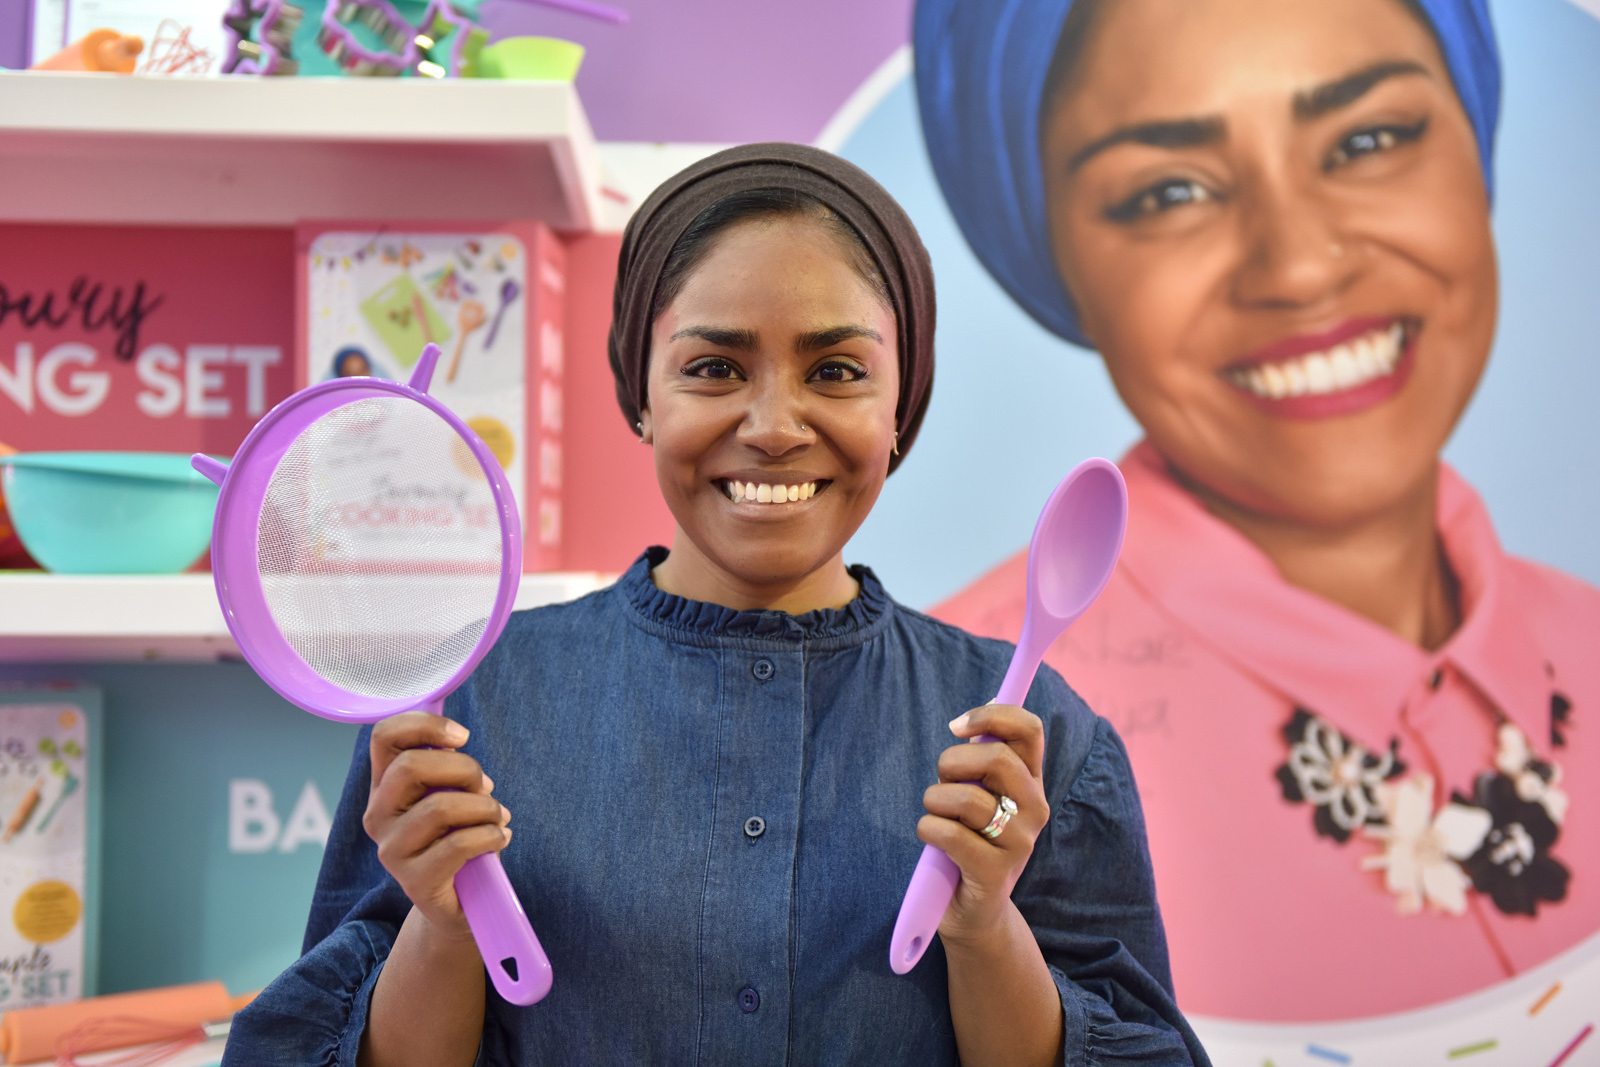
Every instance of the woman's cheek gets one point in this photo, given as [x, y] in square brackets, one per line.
[1441, 266]
[1145, 314]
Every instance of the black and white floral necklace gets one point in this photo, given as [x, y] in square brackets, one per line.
[1497, 841]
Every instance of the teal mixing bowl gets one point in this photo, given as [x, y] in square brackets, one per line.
[109, 512]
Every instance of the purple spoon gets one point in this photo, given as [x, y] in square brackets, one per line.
[1074, 550]
[508, 292]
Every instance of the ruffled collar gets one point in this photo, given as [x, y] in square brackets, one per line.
[702, 622]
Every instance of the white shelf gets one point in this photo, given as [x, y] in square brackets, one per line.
[243, 151]
[100, 618]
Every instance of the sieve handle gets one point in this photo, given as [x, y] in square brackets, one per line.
[511, 951]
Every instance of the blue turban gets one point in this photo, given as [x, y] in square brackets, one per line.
[981, 66]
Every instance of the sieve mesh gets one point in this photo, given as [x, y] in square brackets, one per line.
[379, 548]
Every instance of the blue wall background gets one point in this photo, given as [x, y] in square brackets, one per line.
[1014, 407]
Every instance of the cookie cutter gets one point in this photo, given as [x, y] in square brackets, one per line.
[260, 36]
[420, 48]
[466, 38]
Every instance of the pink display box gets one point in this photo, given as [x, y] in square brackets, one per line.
[142, 338]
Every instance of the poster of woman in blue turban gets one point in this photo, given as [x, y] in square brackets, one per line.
[1374, 797]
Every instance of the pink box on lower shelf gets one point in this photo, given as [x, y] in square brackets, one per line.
[369, 296]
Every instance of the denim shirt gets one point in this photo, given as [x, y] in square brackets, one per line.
[715, 817]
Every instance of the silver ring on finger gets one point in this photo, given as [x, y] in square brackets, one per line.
[1004, 808]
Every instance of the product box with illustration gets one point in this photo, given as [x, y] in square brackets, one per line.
[49, 843]
[370, 297]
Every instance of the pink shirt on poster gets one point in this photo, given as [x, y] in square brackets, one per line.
[1241, 698]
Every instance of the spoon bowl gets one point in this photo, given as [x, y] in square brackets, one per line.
[1075, 547]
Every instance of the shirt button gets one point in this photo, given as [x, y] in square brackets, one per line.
[754, 827]
[763, 670]
[749, 999]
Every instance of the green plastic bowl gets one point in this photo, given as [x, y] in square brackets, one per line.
[109, 512]
[531, 59]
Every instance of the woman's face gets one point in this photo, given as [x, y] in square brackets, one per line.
[772, 385]
[1271, 217]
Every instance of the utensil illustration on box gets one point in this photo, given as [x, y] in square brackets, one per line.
[422, 318]
[69, 785]
[509, 291]
[471, 318]
[1073, 552]
[364, 570]
[24, 811]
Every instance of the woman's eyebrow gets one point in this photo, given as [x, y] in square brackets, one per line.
[1198, 132]
[1315, 103]
[812, 340]
[722, 337]
[1172, 133]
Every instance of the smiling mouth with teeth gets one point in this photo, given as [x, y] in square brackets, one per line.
[763, 493]
[1346, 376]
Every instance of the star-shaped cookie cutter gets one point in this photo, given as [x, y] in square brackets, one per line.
[260, 35]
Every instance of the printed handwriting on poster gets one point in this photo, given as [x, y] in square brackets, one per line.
[31, 977]
[85, 304]
[66, 380]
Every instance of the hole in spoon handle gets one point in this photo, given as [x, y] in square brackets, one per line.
[933, 884]
[511, 951]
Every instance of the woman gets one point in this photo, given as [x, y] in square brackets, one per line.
[1356, 722]
[717, 765]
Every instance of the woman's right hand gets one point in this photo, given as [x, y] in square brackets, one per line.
[430, 810]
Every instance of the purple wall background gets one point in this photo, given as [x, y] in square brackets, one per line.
[691, 70]
[13, 32]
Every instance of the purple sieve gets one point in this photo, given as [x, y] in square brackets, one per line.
[355, 620]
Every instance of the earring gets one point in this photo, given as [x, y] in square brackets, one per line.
[639, 427]
[896, 449]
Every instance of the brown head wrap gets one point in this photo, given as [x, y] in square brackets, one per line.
[846, 190]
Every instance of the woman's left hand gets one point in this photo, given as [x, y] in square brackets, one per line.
[958, 810]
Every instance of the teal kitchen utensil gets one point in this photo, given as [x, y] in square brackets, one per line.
[68, 787]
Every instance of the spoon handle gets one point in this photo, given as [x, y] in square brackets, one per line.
[510, 949]
[1019, 679]
[933, 883]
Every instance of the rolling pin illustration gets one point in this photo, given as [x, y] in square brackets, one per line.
[19, 818]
